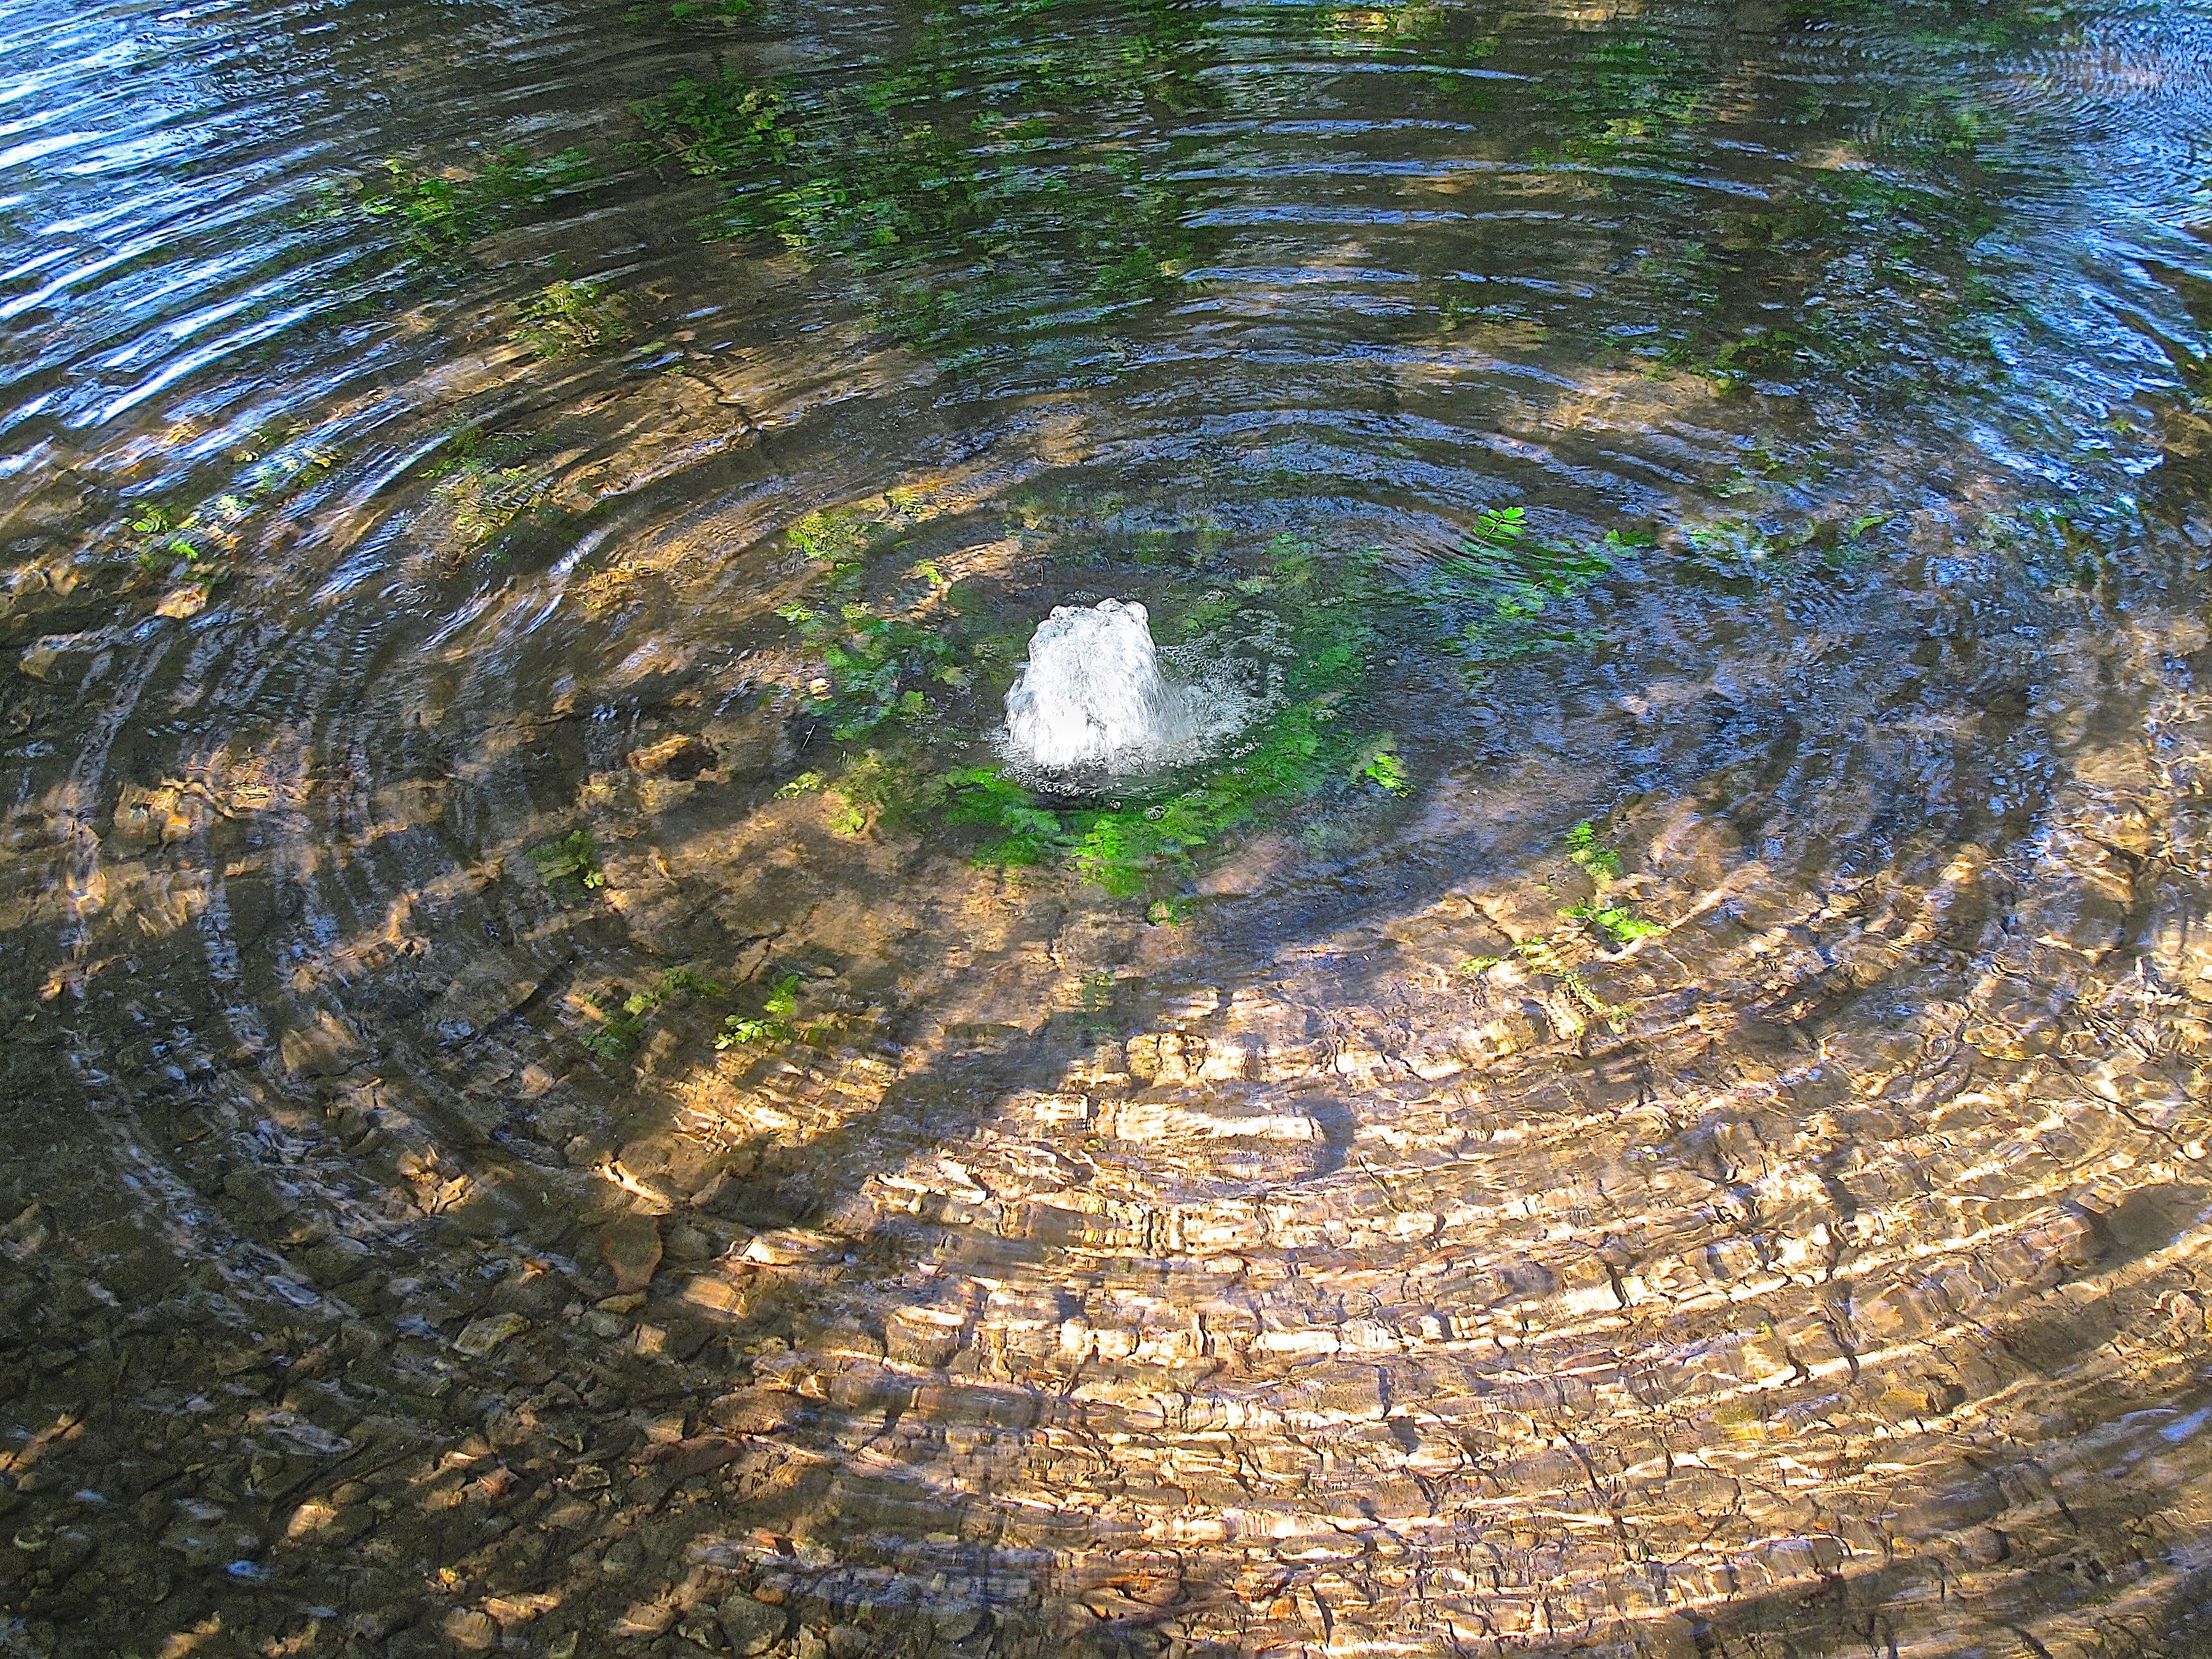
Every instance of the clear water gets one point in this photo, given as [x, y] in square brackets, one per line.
[1654, 1104]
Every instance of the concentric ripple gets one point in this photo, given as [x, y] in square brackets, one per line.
[557, 1103]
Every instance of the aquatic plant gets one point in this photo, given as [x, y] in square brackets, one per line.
[727, 128]
[1948, 26]
[840, 536]
[771, 1024]
[1299, 748]
[1402, 24]
[1616, 921]
[1635, 88]
[1384, 769]
[486, 498]
[168, 535]
[1739, 555]
[1603, 863]
[974, 176]
[1894, 259]
[574, 857]
[566, 319]
[889, 677]
[679, 12]
[439, 215]
[488, 481]
[1504, 595]
[876, 666]
[1870, 266]
[1543, 957]
[620, 1033]
[195, 542]
[891, 680]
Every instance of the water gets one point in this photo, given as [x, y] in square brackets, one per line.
[1090, 702]
[1650, 1101]
[1090, 694]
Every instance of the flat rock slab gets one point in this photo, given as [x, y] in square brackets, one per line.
[631, 1247]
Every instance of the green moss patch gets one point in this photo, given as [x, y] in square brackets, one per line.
[437, 215]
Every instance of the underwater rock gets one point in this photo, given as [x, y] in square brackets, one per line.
[631, 1247]
[481, 1335]
[748, 1627]
[471, 1631]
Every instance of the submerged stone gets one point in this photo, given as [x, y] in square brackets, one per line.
[481, 1335]
[748, 1627]
[631, 1247]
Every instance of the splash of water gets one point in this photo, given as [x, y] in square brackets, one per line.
[1092, 696]
[1091, 693]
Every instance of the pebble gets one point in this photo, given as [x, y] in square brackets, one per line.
[480, 1336]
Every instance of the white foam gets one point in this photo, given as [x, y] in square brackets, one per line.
[1092, 697]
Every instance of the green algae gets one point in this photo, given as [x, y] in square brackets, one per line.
[906, 685]
[436, 215]
[574, 857]
[568, 319]
[908, 679]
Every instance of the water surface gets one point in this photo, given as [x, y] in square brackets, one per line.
[560, 1101]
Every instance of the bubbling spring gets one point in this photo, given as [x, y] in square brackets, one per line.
[1092, 697]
